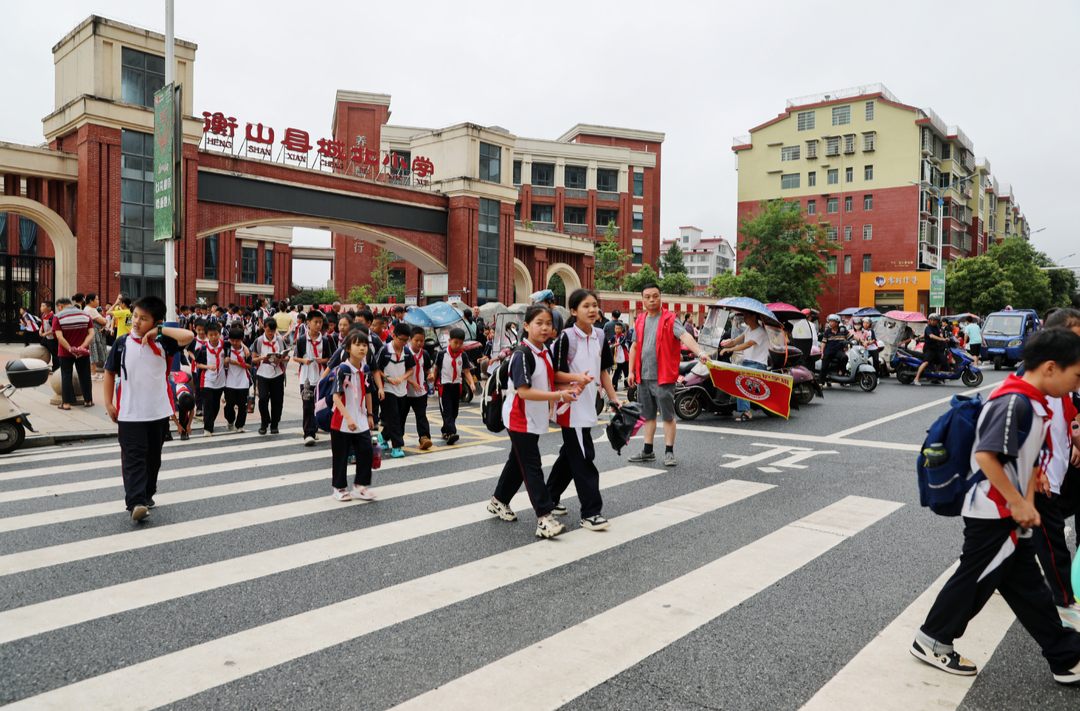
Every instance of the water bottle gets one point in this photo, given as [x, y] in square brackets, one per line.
[376, 455]
[935, 455]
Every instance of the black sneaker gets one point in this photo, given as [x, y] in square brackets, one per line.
[274, 430]
[262, 430]
[185, 437]
[150, 502]
[951, 663]
[595, 523]
[451, 439]
[643, 456]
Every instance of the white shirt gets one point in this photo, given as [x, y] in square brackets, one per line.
[349, 382]
[446, 376]
[759, 352]
[522, 415]
[394, 367]
[586, 358]
[271, 367]
[416, 389]
[237, 377]
[213, 378]
[1061, 437]
[143, 389]
[310, 372]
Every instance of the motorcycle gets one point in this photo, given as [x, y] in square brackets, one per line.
[858, 368]
[21, 373]
[964, 369]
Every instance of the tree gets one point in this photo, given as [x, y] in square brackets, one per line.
[676, 284]
[750, 283]
[315, 296]
[1017, 258]
[360, 294]
[786, 249]
[643, 276]
[610, 262]
[557, 285]
[671, 262]
[1063, 282]
[978, 285]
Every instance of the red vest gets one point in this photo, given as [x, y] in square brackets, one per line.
[668, 348]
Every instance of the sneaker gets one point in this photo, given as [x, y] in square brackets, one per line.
[309, 441]
[185, 437]
[396, 453]
[342, 495]
[669, 459]
[230, 427]
[1070, 677]
[363, 493]
[452, 439]
[501, 510]
[382, 442]
[548, 527]
[352, 459]
[168, 436]
[952, 662]
[207, 433]
[445, 436]
[262, 430]
[139, 513]
[425, 443]
[239, 430]
[915, 382]
[595, 523]
[150, 502]
[1070, 616]
[274, 430]
[643, 456]
[559, 510]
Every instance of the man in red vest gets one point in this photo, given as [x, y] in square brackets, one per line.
[654, 366]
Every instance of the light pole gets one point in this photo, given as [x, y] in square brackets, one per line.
[170, 244]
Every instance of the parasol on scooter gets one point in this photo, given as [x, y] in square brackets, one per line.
[799, 356]
[438, 320]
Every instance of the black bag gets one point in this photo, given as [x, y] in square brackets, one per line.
[623, 425]
[495, 390]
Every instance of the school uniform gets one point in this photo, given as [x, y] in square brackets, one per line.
[237, 384]
[30, 328]
[212, 381]
[194, 347]
[525, 421]
[392, 365]
[270, 380]
[144, 407]
[182, 363]
[997, 554]
[350, 383]
[1049, 538]
[620, 345]
[317, 348]
[416, 395]
[575, 352]
[450, 369]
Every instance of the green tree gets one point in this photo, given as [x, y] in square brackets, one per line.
[750, 283]
[671, 261]
[786, 249]
[977, 284]
[360, 294]
[557, 286]
[1063, 282]
[1018, 259]
[315, 296]
[676, 284]
[610, 262]
[645, 275]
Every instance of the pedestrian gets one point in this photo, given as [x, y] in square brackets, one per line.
[974, 338]
[934, 343]
[619, 345]
[998, 551]
[210, 363]
[393, 366]
[416, 393]
[525, 415]
[312, 352]
[654, 363]
[140, 361]
[609, 325]
[270, 359]
[834, 341]
[237, 380]
[121, 313]
[74, 332]
[546, 298]
[30, 327]
[753, 344]
[583, 356]
[453, 373]
[98, 350]
[48, 336]
[351, 422]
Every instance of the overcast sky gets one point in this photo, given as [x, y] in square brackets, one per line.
[701, 72]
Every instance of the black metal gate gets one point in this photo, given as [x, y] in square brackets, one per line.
[24, 281]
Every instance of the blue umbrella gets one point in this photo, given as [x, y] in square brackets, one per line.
[851, 311]
[745, 303]
[433, 315]
[862, 313]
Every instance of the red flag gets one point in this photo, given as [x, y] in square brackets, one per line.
[771, 391]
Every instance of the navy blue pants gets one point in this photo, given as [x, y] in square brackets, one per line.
[576, 462]
[140, 456]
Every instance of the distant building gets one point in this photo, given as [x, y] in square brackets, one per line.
[703, 258]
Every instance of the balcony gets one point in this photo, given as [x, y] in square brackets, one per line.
[544, 226]
[602, 230]
[571, 229]
[928, 258]
[543, 191]
[605, 195]
[741, 141]
[968, 161]
[576, 194]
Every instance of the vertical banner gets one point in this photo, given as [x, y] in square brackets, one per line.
[937, 289]
[164, 163]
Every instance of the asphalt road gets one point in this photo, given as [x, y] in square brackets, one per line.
[779, 566]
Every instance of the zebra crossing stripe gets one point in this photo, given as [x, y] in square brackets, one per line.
[132, 538]
[603, 646]
[884, 676]
[83, 607]
[201, 667]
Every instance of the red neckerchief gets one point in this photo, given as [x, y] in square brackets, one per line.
[239, 356]
[1017, 385]
[547, 361]
[418, 370]
[146, 340]
[216, 351]
[272, 345]
[453, 362]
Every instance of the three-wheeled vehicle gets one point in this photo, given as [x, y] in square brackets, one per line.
[1005, 333]
[438, 320]
[799, 336]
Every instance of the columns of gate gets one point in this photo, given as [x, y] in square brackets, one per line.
[506, 253]
[540, 268]
[462, 246]
[187, 255]
[98, 212]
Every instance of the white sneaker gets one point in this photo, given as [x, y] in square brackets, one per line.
[548, 527]
[239, 429]
[595, 523]
[501, 510]
[342, 495]
[1070, 616]
[309, 441]
[1070, 677]
[207, 433]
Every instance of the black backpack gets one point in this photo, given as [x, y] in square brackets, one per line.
[499, 387]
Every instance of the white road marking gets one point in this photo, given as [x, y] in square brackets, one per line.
[82, 607]
[801, 438]
[885, 677]
[140, 538]
[769, 470]
[195, 669]
[554, 671]
[904, 413]
[793, 460]
[741, 460]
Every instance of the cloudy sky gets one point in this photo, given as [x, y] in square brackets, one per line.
[701, 72]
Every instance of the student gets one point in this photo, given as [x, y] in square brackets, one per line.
[29, 325]
[393, 366]
[48, 336]
[312, 352]
[198, 343]
[452, 368]
[237, 380]
[210, 362]
[580, 352]
[416, 387]
[351, 422]
[269, 357]
[526, 418]
[121, 313]
[998, 552]
[142, 407]
[619, 343]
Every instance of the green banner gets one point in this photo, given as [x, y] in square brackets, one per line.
[937, 289]
[164, 137]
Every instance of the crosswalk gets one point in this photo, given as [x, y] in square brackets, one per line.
[249, 524]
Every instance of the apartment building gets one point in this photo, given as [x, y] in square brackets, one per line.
[703, 258]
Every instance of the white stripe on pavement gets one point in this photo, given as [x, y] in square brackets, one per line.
[140, 538]
[82, 607]
[904, 413]
[885, 677]
[554, 671]
[792, 437]
[195, 669]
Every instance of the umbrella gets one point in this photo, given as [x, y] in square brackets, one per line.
[851, 311]
[781, 306]
[488, 311]
[863, 313]
[964, 316]
[748, 305]
[438, 314]
[908, 316]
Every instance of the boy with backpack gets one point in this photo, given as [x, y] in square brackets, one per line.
[210, 364]
[416, 394]
[452, 369]
[269, 356]
[313, 350]
[394, 364]
[237, 380]
[999, 513]
[351, 422]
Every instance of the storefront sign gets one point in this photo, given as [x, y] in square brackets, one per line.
[436, 284]
[937, 289]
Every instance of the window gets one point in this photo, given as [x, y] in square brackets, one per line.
[575, 215]
[830, 234]
[603, 217]
[849, 143]
[866, 263]
[637, 256]
[249, 258]
[811, 149]
[841, 115]
[834, 176]
[946, 151]
[982, 205]
[832, 146]
[574, 177]
[268, 265]
[790, 180]
[543, 175]
[849, 175]
[832, 205]
[830, 264]
[639, 221]
[811, 206]
[517, 172]
[869, 140]
[607, 180]
[869, 110]
[868, 172]
[487, 258]
[210, 257]
[811, 179]
[789, 153]
[847, 233]
[868, 202]
[868, 232]
[847, 204]
[490, 162]
[639, 184]
[847, 264]
[517, 212]
[141, 75]
[142, 260]
[807, 120]
[543, 213]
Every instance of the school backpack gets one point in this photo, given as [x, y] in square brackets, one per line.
[324, 399]
[499, 388]
[944, 463]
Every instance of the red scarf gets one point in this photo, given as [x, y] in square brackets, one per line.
[272, 345]
[147, 341]
[418, 370]
[216, 352]
[1017, 385]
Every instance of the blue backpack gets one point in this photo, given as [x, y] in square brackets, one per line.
[324, 398]
[945, 475]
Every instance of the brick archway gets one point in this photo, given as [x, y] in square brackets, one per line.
[570, 278]
[64, 243]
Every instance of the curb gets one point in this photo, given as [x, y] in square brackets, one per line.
[47, 440]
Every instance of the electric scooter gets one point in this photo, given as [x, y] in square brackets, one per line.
[859, 369]
[21, 373]
[964, 370]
